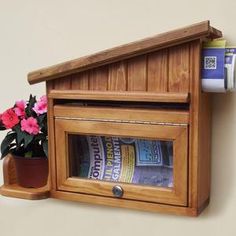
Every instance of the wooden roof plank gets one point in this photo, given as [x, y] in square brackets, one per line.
[189, 33]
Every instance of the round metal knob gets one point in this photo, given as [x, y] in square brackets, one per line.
[117, 191]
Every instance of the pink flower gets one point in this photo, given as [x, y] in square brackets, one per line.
[20, 108]
[43, 99]
[41, 106]
[9, 118]
[1, 120]
[30, 125]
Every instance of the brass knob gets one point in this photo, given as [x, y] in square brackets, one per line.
[117, 191]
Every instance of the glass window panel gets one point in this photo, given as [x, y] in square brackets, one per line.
[121, 159]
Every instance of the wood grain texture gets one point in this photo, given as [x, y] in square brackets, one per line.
[179, 68]
[74, 154]
[51, 145]
[9, 171]
[174, 37]
[117, 80]
[194, 129]
[204, 162]
[98, 79]
[125, 203]
[120, 96]
[127, 114]
[137, 74]
[49, 86]
[163, 132]
[180, 165]
[157, 71]
[63, 83]
[14, 190]
[80, 81]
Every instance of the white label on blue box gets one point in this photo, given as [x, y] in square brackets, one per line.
[230, 64]
[214, 76]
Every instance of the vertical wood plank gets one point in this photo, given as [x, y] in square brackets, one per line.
[137, 74]
[157, 71]
[195, 93]
[72, 167]
[49, 86]
[63, 83]
[80, 81]
[51, 146]
[204, 162]
[179, 68]
[9, 170]
[98, 78]
[117, 76]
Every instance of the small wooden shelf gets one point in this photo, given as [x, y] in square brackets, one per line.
[12, 189]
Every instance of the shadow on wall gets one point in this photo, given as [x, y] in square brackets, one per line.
[223, 153]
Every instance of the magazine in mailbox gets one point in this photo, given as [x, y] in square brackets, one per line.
[128, 160]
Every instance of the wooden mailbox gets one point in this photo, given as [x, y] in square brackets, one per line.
[146, 90]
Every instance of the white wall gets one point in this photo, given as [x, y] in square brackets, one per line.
[34, 34]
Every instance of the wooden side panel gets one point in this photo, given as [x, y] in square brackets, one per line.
[80, 81]
[157, 71]
[49, 86]
[51, 145]
[200, 131]
[179, 68]
[63, 83]
[137, 74]
[194, 122]
[117, 76]
[204, 162]
[98, 78]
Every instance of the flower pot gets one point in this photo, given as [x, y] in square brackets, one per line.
[31, 172]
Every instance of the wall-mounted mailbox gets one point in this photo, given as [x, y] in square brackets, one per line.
[130, 127]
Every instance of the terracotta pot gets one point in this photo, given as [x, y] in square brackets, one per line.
[31, 172]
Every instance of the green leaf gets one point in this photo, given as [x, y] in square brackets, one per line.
[40, 137]
[2, 127]
[20, 134]
[9, 149]
[5, 146]
[41, 118]
[6, 151]
[30, 105]
[27, 138]
[28, 154]
[45, 147]
[23, 136]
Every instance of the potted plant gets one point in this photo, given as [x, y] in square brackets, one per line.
[27, 140]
